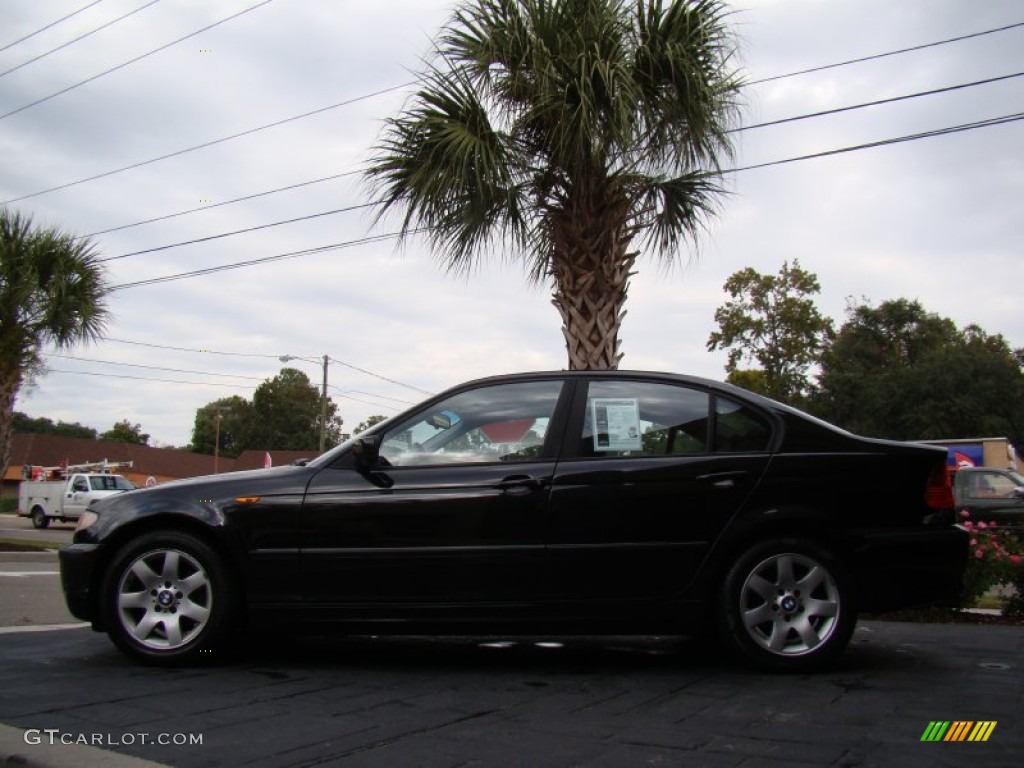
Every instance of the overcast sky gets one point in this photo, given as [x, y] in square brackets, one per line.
[938, 219]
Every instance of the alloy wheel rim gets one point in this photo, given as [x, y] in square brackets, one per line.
[164, 599]
[789, 604]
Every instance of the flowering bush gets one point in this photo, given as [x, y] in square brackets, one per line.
[995, 559]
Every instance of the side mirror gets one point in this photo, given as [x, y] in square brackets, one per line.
[1018, 492]
[366, 450]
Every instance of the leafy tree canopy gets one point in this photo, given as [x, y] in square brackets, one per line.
[126, 432]
[284, 414]
[26, 425]
[370, 421]
[900, 372]
[772, 320]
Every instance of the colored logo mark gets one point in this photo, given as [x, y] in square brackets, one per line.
[958, 730]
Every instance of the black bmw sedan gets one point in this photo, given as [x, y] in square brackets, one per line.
[562, 502]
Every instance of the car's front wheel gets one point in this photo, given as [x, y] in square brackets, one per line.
[168, 599]
[787, 604]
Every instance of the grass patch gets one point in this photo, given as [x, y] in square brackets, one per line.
[8, 505]
[28, 545]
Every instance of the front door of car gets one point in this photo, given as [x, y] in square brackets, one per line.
[452, 512]
[76, 496]
[650, 474]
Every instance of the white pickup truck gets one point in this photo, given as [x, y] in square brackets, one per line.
[66, 500]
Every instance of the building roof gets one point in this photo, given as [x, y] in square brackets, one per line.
[52, 450]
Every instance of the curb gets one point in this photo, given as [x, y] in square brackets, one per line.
[16, 751]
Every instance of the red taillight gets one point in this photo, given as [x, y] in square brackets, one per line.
[939, 493]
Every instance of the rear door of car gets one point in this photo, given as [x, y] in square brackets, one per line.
[650, 473]
[990, 494]
[453, 513]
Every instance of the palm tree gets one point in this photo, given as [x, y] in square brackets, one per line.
[557, 132]
[52, 291]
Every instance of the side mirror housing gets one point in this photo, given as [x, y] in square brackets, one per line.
[1018, 492]
[366, 450]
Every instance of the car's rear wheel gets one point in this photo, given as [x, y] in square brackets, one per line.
[787, 604]
[168, 599]
[39, 518]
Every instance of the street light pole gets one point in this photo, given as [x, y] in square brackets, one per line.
[323, 408]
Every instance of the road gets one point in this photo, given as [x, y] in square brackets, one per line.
[14, 527]
[459, 701]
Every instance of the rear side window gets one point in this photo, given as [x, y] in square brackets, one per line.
[635, 418]
[739, 429]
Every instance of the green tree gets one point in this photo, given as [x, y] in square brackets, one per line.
[234, 414]
[900, 372]
[561, 134]
[773, 321]
[26, 425]
[285, 415]
[370, 421]
[52, 291]
[126, 432]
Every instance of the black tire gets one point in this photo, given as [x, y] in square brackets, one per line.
[787, 604]
[39, 518]
[168, 598]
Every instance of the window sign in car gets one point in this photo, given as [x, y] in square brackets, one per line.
[617, 424]
[506, 423]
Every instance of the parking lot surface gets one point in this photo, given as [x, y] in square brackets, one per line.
[457, 701]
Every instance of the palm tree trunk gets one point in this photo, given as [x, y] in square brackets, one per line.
[591, 276]
[8, 392]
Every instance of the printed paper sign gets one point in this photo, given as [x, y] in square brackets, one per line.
[616, 423]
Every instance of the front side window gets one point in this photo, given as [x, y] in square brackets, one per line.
[110, 483]
[499, 423]
[635, 418]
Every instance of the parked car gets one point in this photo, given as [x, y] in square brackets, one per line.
[990, 494]
[561, 502]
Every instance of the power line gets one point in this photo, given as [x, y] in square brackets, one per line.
[886, 142]
[80, 37]
[147, 378]
[781, 121]
[378, 376]
[252, 262]
[51, 24]
[154, 367]
[887, 53]
[239, 231]
[203, 145]
[878, 102]
[226, 202]
[411, 83]
[132, 61]
[189, 349]
[275, 357]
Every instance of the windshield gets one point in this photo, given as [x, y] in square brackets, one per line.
[110, 483]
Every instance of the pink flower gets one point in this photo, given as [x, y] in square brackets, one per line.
[982, 525]
[974, 542]
[979, 553]
[1015, 559]
[991, 523]
[964, 514]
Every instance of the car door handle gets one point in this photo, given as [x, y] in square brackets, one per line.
[722, 480]
[519, 484]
